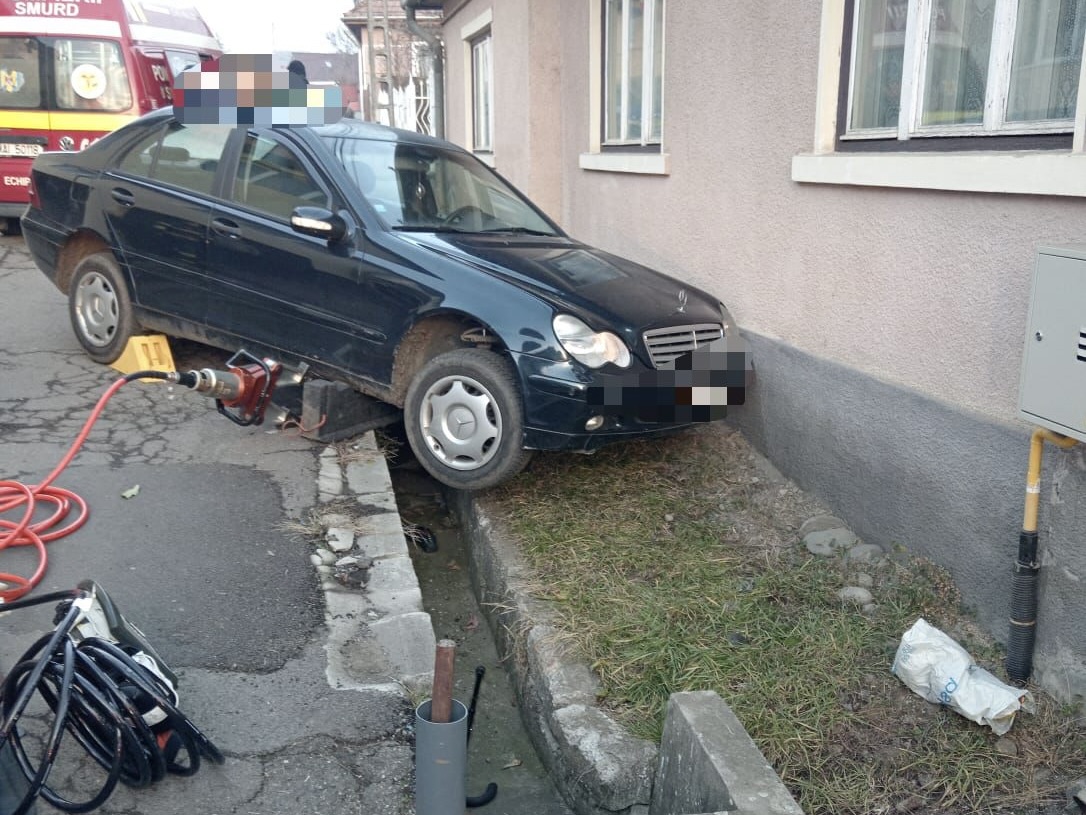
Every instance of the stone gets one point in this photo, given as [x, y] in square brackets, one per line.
[864, 580]
[865, 553]
[828, 542]
[820, 523]
[340, 539]
[857, 595]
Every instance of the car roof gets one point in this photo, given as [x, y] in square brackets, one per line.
[346, 128]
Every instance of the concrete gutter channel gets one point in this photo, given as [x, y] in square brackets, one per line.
[706, 763]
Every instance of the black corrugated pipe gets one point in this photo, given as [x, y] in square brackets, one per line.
[434, 42]
[1023, 630]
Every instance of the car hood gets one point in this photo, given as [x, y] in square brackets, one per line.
[573, 275]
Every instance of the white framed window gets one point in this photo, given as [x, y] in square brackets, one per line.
[482, 93]
[478, 49]
[626, 87]
[633, 72]
[963, 67]
[1025, 141]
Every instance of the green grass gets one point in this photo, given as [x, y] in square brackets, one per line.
[676, 565]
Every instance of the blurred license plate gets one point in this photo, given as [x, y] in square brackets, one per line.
[20, 150]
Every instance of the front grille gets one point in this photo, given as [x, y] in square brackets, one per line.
[667, 344]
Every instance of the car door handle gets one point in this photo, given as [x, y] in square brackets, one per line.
[228, 229]
[123, 197]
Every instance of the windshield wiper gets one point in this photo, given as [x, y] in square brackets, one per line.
[519, 230]
[431, 228]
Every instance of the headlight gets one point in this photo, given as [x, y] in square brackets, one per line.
[726, 320]
[592, 348]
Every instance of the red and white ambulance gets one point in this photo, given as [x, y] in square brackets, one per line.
[73, 70]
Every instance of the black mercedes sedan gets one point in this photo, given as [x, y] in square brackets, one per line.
[392, 261]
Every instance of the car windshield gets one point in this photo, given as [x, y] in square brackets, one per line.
[422, 188]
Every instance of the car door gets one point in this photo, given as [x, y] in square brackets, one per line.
[282, 289]
[157, 202]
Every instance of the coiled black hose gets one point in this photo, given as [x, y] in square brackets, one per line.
[118, 710]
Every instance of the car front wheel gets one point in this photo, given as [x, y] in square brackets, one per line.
[464, 419]
[100, 308]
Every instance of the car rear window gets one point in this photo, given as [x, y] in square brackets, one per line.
[186, 156]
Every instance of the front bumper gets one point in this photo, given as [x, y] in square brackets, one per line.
[562, 397]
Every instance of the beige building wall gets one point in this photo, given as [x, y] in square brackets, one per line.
[887, 324]
[527, 138]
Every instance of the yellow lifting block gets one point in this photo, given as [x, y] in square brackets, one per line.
[145, 352]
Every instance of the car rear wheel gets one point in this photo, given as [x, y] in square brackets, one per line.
[464, 419]
[100, 308]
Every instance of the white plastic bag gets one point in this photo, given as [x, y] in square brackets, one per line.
[934, 666]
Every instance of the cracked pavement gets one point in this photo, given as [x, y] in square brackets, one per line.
[200, 560]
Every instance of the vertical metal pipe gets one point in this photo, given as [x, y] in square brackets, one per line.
[1023, 621]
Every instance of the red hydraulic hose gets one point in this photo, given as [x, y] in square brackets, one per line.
[27, 532]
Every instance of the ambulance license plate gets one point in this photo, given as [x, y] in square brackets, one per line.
[19, 150]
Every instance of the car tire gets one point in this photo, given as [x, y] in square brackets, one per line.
[12, 226]
[100, 308]
[464, 418]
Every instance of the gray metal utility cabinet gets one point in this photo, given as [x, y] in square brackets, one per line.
[1052, 390]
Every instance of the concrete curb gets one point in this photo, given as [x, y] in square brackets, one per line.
[600, 768]
[707, 763]
[379, 636]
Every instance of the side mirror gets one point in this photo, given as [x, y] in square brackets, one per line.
[319, 223]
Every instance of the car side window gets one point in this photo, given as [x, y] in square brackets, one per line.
[273, 180]
[186, 156]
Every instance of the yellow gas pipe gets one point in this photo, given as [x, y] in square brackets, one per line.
[1023, 629]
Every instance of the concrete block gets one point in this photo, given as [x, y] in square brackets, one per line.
[377, 503]
[606, 768]
[392, 574]
[403, 600]
[382, 546]
[563, 681]
[336, 411]
[385, 523]
[708, 763]
[408, 642]
[368, 476]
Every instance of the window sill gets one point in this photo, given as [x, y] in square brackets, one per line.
[645, 163]
[487, 159]
[1033, 173]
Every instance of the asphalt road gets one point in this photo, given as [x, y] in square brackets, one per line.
[199, 559]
